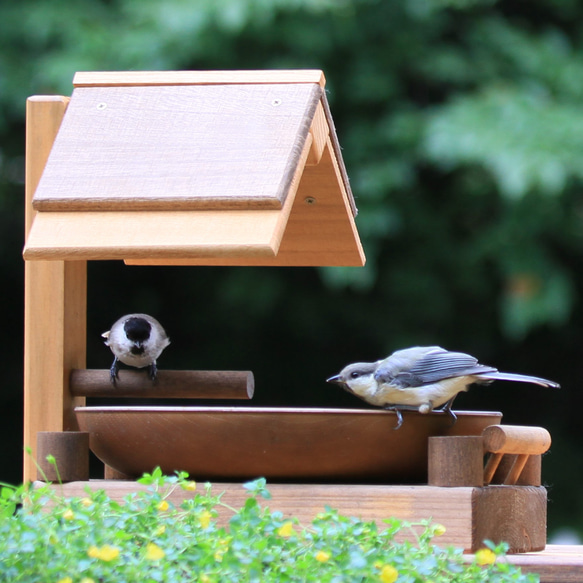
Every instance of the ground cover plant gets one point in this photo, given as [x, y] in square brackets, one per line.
[50, 538]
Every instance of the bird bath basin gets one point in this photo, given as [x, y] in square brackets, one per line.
[280, 444]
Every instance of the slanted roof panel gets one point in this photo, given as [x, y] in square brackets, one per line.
[180, 147]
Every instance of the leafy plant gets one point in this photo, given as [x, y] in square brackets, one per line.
[51, 538]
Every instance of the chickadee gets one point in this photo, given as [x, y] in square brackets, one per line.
[136, 340]
[422, 378]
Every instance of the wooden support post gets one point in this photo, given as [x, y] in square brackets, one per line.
[71, 452]
[55, 303]
[169, 384]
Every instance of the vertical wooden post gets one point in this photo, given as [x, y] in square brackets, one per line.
[55, 302]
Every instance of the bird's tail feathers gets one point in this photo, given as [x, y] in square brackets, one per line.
[521, 378]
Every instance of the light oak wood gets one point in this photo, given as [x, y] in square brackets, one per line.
[467, 513]
[321, 229]
[169, 384]
[516, 439]
[178, 147]
[129, 78]
[556, 564]
[55, 304]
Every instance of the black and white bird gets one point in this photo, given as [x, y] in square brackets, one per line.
[422, 378]
[136, 340]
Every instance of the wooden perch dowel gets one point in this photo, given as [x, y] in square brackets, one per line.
[172, 384]
[519, 442]
[516, 439]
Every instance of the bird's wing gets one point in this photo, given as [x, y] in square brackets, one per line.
[436, 366]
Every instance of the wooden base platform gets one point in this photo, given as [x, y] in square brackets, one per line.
[515, 514]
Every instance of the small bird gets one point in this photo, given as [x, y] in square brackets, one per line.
[136, 340]
[421, 378]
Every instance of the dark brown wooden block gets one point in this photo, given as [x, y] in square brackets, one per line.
[455, 461]
[71, 452]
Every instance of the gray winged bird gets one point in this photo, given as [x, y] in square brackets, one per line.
[422, 378]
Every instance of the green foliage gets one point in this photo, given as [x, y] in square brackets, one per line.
[146, 538]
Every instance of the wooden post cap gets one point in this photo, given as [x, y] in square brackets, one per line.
[71, 452]
[455, 461]
[515, 439]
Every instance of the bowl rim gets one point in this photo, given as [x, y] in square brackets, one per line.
[265, 410]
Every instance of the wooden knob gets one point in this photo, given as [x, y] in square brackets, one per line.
[515, 439]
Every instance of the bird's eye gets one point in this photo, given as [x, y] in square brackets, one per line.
[354, 375]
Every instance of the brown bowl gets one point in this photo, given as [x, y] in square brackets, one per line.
[280, 444]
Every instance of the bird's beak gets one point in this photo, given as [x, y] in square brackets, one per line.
[335, 379]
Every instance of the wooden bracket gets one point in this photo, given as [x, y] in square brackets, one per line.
[513, 457]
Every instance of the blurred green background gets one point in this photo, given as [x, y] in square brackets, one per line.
[462, 131]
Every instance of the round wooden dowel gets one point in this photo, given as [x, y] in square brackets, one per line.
[169, 384]
[455, 461]
[516, 439]
[71, 452]
[529, 476]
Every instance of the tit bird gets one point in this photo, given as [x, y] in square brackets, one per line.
[422, 378]
[136, 340]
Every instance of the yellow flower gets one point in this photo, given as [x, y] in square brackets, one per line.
[68, 514]
[93, 552]
[388, 574]
[105, 553]
[485, 557]
[65, 580]
[438, 529]
[86, 502]
[322, 556]
[205, 519]
[189, 486]
[154, 552]
[286, 529]
[163, 506]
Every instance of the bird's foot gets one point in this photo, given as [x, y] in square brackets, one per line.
[114, 372]
[152, 371]
[447, 409]
[398, 414]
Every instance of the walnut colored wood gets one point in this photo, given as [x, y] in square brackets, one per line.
[178, 147]
[129, 78]
[289, 444]
[55, 304]
[455, 461]
[71, 452]
[458, 509]
[516, 439]
[517, 514]
[169, 384]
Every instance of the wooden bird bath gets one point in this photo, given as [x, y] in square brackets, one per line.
[281, 444]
